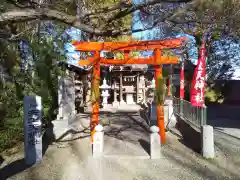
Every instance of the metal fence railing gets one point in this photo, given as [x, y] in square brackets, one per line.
[191, 114]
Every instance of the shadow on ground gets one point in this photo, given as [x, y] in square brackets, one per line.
[13, 169]
[19, 165]
[1, 160]
[145, 145]
[190, 136]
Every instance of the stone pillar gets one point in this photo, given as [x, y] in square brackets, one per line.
[143, 90]
[60, 97]
[207, 141]
[68, 100]
[32, 129]
[121, 89]
[129, 95]
[155, 144]
[137, 88]
[115, 102]
[144, 95]
[114, 92]
[66, 107]
[98, 141]
[66, 96]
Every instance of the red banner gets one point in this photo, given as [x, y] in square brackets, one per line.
[182, 81]
[198, 82]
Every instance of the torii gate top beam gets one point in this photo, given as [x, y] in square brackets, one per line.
[128, 46]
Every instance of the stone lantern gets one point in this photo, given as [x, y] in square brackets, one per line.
[151, 89]
[105, 92]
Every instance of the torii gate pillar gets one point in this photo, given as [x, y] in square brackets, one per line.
[159, 107]
[95, 94]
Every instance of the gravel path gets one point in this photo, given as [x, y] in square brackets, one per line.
[72, 160]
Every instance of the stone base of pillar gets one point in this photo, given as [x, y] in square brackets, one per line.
[115, 104]
[129, 99]
[122, 102]
[105, 105]
[59, 130]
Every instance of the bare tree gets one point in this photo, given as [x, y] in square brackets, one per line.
[188, 16]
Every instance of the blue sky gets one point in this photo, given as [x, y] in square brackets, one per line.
[192, 52]
[152, 34]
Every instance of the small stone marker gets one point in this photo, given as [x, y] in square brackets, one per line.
[98, 141]
[208, 141]
[155, 144]
[32, 129]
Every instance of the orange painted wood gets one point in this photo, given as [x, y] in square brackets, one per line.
[150, 60]
[160, 119]
[159, 107]
[95, 94]
[121, 46]
[157, 60]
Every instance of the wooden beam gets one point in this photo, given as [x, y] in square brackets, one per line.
[129, 46]
[150, 60]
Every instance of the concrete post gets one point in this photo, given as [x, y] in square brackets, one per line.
[207, 141]
[98, 141]
[155, 144]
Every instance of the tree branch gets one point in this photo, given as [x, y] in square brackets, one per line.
[18, 15]
[26, 14]
[132, 7]
[29, 4]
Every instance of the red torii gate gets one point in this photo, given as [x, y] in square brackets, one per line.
[157, 60]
